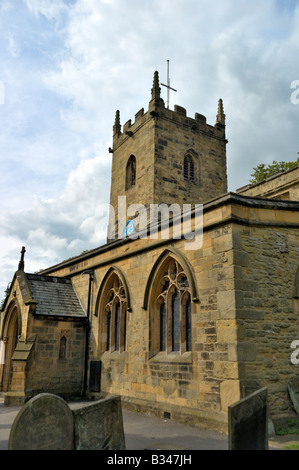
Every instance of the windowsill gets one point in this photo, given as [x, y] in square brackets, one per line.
[114, 355]
[174, 356]
[131, 187]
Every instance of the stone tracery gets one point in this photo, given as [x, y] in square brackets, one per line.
[173, 307]
[114, 314]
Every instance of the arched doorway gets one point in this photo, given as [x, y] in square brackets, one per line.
[10, 339]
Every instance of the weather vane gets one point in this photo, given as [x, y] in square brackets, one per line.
[168, 85]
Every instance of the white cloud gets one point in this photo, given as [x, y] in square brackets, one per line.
[49, 8]
[12, 47]
[68, 65]
[56, 229]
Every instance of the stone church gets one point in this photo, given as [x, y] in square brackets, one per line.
[177, 330]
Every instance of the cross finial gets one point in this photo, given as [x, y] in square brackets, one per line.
[168, 85]
[21, 262]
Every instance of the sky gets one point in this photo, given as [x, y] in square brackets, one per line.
[66, 66]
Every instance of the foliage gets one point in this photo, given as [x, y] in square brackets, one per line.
[290, 430]
[262, 171]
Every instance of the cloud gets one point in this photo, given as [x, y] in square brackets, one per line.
[60, 219]
[51, 9]
[68, 65]
[57, 229]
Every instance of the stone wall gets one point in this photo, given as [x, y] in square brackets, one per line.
[47, 353]
[280, 185]
[160, 139]
[242, 323]
[188, 386]
[142, 147]
[53, 369]
[177, 135]
[267, 317]
[180, 384]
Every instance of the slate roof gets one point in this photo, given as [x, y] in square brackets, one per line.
[56, 296]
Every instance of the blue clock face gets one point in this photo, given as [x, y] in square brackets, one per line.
[129, 228]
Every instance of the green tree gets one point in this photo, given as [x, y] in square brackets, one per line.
[262, 171]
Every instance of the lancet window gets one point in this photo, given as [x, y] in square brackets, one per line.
[62, 347]
[131, 172]
[114, 315]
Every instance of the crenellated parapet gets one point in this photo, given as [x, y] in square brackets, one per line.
[157, 110]
[165, 156]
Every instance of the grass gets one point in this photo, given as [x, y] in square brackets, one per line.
[284, 432]
[291, 429]
[293, 447]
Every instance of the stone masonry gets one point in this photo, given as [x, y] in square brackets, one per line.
[242, 323]
[242, 283]
[159, 139]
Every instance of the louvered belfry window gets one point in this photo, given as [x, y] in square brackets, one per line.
[189, 168]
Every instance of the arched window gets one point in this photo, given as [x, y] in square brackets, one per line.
[113, 315]
[62, 347]
[189, 168]
[171, 310]
[131, 172]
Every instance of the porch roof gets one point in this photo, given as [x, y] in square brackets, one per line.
[54, 296]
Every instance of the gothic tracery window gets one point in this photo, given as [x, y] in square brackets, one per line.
[173, 309]
[131, 172]
[114, 315]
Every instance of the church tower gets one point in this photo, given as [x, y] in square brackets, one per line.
[165, 157]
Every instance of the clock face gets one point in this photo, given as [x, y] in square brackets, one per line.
[129, 228]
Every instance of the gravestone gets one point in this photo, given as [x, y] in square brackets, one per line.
[293, 387]
[44, 423]
[248, 422]
[99, 426]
